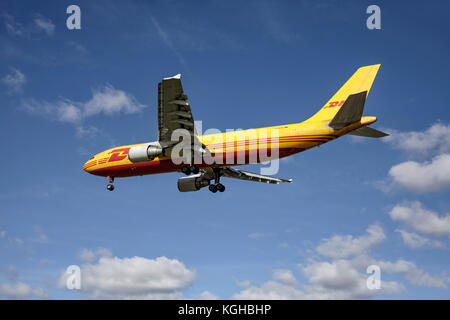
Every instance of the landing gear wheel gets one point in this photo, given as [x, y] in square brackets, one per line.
[212, 188]
[220, 187]
[186, 170]
[110, 187]
[194, 169]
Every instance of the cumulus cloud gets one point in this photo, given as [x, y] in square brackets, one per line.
[14, 81]
[423, 177]
[342, 246]
[131, 278]
[243, 283]
[105, 100]
[343, 275]
[414, 240]
[344, 279]
[206, 295]
[428, 222]
[414, 274]
[270, 290]
[284, 276]
[17, 289]
[435, 139]
[90, 256]
[109, 101]
[20, 290]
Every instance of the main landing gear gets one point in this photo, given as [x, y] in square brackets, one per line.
[110, 185]
[217, 186]
[187, 170]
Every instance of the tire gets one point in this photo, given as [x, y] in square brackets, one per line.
[186, 170]
[110, 187]
[220, 187]
[194, 169]
[212, 188]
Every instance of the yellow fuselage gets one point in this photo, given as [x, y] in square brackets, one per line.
[229, 149]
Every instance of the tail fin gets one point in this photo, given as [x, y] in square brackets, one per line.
[361, 81]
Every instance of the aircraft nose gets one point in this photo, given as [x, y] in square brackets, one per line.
[88, 166]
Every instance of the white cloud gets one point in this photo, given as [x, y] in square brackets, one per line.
[206, 295]
[243, 283]
[344, 276]
[413, 214]
[90, 256]
[284, 276]
[270, 290]
[44, 24]
[344, 279]
[132, 278]
[167, 41]
[341, 246]
[14, 81]
[413, 274]
[110, 101]
[38, 24]
[434, 139]
[106, 100]
[20, 290]
[83, 131]
[423, 177]
[12, 26]
[414, 240]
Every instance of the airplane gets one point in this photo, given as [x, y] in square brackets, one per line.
[341, 115]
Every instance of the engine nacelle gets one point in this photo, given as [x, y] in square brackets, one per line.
[192, 183]
[145, 152]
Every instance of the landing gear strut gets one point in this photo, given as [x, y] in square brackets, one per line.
[217, 186]
[110, 185]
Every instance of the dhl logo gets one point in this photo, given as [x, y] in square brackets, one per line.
[118, 154]
[335, 104]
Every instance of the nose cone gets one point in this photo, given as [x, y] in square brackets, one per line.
[89, 165]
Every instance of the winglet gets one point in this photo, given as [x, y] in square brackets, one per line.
[177, 76]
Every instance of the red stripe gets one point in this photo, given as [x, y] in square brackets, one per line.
[283, 139]
[166, 165]
[247, 143]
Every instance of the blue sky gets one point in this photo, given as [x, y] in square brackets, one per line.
[353, 202]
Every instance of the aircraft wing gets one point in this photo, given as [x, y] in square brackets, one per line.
[174, 112]
[250, 176]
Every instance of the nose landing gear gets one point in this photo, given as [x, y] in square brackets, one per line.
[110, 185]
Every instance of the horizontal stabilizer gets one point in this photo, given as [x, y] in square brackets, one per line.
[350, 112]
[368, 132]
